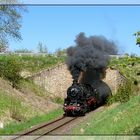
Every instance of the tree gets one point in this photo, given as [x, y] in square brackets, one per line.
[42, 48]
[137, 34]
[60, 52]
[3, 46]
[10, 24]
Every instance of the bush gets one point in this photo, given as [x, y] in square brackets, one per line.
[122, 95]
[10, 68]
[124, 92]
[136, 130]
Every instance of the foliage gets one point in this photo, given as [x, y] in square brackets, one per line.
[128, 66]
[39, 62]
[10, 68]
[136, 130]
[10, 24]
[3, 46]
[123, 94]
[138, 41]
[42, 48]
[60, 52]
[137, 34]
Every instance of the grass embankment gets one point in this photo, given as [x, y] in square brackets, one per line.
[12, 107]
[18, 115]
[121, 119]
[17, 111]
[15, 127]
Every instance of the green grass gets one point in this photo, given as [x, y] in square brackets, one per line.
[34, 63]
[13, 105]
[15, 127]
[37, 63]
[122, 119]
[4, 102]
[129, 66]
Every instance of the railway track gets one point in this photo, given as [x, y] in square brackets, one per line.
[46, 128]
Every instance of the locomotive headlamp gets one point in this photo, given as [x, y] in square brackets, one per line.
[65, 104]
[78, 104]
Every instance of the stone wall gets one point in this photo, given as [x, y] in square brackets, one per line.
[114, 79]
[55, 80]
[58, 79]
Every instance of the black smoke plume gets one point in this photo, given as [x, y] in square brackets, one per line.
[90, 55]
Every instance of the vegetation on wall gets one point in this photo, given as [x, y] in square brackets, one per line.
[129, 66]
[11, 66]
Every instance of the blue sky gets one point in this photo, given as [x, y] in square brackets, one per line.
[57, 26]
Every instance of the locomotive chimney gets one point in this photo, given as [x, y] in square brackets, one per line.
[75, 82]
[81, 76]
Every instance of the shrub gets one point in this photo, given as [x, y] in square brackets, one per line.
[10, 68]
[136, 130]
[122, 95]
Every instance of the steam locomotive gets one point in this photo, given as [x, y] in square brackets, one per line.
[82, 98]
